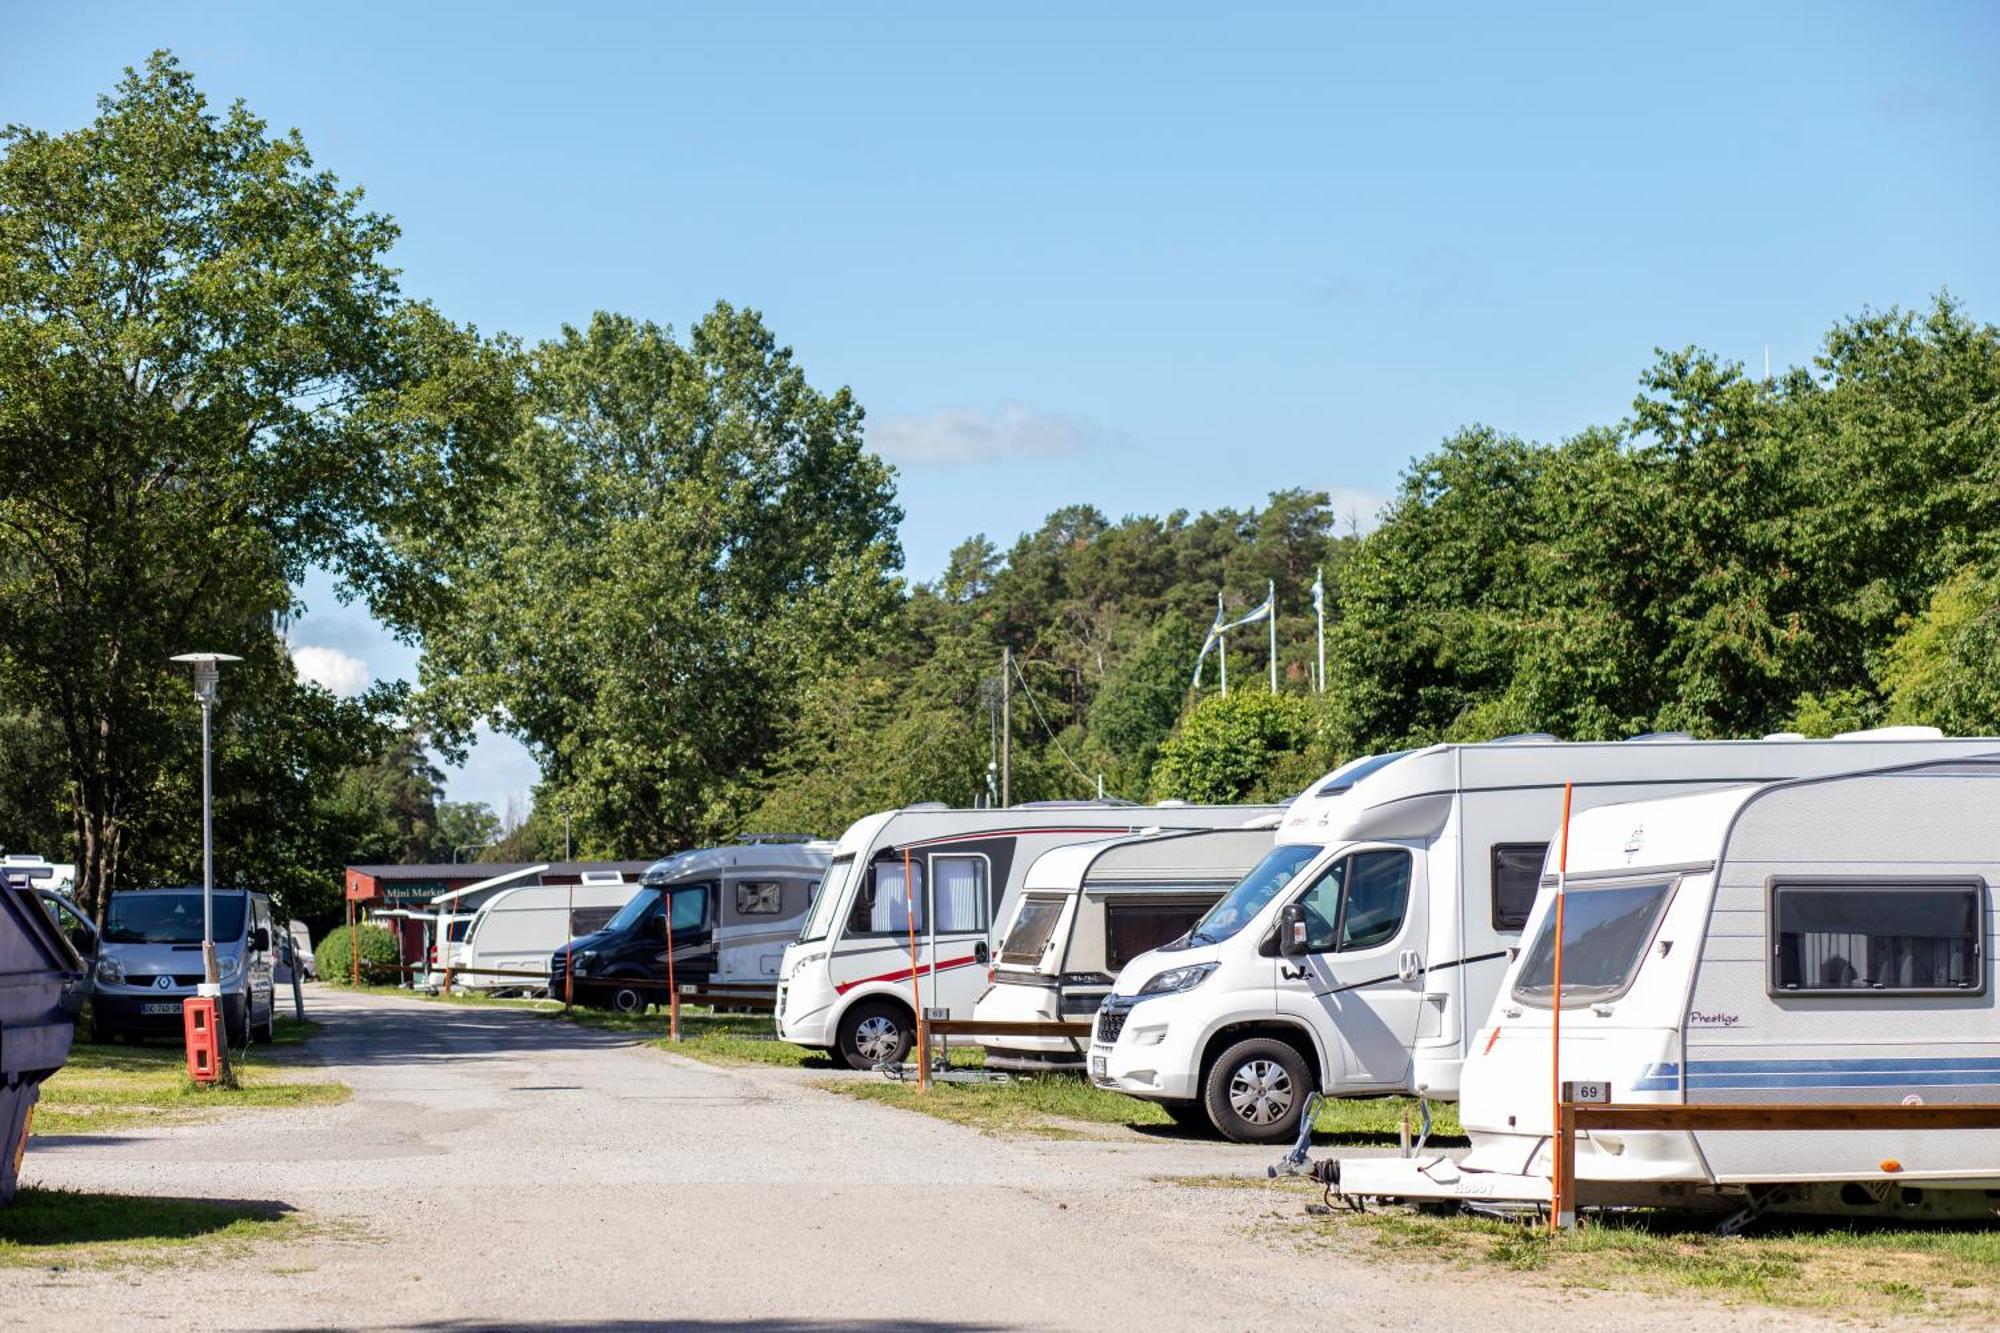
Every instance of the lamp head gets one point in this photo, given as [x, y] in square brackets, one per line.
[207, 667]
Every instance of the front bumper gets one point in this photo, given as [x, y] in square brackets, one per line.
[1148, 1054]
[804, 1016]
[125, 1010]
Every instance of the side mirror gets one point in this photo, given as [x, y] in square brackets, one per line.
[260, 940]
[980, 953]
[1292, 930]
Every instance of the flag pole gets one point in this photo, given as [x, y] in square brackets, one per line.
[1271, 600]
[1319, 614]
[1562, 1203]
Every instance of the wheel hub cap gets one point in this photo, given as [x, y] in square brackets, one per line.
[1261, 1092]
[877, 1038]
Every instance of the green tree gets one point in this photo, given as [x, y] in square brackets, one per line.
[464, 829]
[207, 383]
[1250, 745]
[686, 537]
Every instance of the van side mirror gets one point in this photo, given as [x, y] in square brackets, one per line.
[1292, 930]
[260, 940]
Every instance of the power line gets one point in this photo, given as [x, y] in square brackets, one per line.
[1088, 781]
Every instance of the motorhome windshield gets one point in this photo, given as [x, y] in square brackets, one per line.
[1252, 892]
[826, 907]
[152, 917]
[1605, 933]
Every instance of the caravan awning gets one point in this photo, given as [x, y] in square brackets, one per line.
[483, 885]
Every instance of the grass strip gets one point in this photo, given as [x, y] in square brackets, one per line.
[105, 1088]
[1863, 1271]
[65, 1228]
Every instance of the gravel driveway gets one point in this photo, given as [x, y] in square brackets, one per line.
[496, 1169]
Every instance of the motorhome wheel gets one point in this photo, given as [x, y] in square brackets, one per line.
[267, 1031]
[628, 999]
[872, 1033]
[1255, 1090]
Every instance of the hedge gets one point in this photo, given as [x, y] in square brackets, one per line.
[334, 955]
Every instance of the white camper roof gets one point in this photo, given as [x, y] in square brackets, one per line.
[1152, 857]
[1409, 794]
[486, 885]
[750, 855]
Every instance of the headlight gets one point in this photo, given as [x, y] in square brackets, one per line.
[804, 961]
[227, 968]
[1178, 979]
[110, 971]
[584, 960]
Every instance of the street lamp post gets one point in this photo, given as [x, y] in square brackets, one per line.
[207, 667]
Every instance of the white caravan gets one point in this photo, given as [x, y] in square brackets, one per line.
[1402, 882]
[517, 929]
[848, 984]
[1087, 910]
[1823, 940]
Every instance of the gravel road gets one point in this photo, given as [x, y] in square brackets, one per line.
[498, 1170]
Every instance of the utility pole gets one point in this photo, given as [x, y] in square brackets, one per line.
[1006, 727]
[207, 667]
[1271, 600]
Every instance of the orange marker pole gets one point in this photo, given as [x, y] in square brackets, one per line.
[673, 991]
[916, 982]
[1562, 1206]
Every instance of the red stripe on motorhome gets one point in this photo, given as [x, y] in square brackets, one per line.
[842, 987]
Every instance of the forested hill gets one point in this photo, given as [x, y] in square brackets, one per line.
[1813, 552]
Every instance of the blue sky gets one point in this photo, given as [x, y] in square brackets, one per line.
[1147, 256]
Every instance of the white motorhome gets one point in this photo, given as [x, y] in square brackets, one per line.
[1399, 883]
[1822, 940]
[733, 909]
[848, 980]
[1087, 910]
[517, 929]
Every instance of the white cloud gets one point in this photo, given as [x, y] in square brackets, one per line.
[343, 673]
[962, 435]
[1356, 507]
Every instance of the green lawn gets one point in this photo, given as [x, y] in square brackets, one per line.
[1864, 1272]
[66, 1228]
[105, 1088]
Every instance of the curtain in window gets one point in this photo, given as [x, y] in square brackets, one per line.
[961, 880]
[891, 909]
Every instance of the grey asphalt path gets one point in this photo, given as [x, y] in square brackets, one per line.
[495, 1169]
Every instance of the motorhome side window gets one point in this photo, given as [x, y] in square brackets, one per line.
[1606, 929]
[1517, 873]
[1876, 938]
[759, 898]
[1358, 902]
[884, 907]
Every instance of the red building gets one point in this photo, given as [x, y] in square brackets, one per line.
[384, 892]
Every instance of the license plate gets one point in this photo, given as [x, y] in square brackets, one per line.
[1099, 1067]
[160, 1008]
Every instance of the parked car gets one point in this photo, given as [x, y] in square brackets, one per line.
[150, 961]
[302, 950]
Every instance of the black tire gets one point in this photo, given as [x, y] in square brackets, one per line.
[1255, 1091]
[627, 997]
[267, 1031]
[1191, 1116]
[873, 1032]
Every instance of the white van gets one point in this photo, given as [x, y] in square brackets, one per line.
[517, 929]
[1086, 911]
[847, 982]
[1828, 939]
[1402, 882]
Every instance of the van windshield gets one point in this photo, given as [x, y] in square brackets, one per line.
[641, 905]
[826, 906]
[1251, 894]
[155, 917]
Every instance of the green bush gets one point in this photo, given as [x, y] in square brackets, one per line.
[334, 955]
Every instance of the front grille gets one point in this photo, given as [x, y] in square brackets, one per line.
[1110, 1022]
[148, 979]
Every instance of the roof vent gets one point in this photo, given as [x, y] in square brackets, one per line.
[1786, 736]
[1892, 734]
[1526, 738]
[1648, 737]
[772, 839]
[928, 805]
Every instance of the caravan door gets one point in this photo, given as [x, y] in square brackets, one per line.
[1361, 983]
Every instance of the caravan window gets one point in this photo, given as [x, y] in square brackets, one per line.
[1033, 925]
[759, 898]
[1605, 933]
[1517, 873]
[1876, 937]
[1131, 929]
